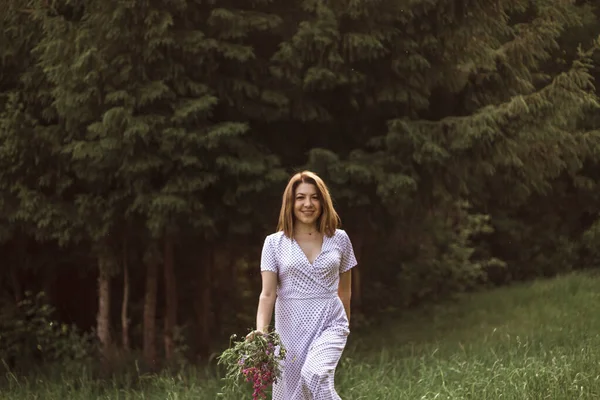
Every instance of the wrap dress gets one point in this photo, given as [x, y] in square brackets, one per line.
[309, 315]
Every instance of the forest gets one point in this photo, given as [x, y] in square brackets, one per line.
[145, 145]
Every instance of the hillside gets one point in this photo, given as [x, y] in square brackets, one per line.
[539, 340]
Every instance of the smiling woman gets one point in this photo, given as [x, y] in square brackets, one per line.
[305, 279]
[307, 207]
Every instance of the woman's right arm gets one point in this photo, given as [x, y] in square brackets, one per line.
[266, 301]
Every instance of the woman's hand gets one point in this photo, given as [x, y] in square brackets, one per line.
[251, 335]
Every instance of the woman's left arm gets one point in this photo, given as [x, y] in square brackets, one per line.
[345, 291]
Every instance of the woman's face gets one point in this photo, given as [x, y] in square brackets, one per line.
[307, 204]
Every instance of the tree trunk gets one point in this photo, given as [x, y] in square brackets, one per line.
[170, 299]
[150, 310]
[225, 281]
[103, 318]
[125, 304]
[204, 301]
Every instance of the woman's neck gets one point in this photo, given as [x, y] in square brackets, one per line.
[302, 229]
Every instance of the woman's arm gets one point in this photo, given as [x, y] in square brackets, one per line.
[345, 291]
[266, 301]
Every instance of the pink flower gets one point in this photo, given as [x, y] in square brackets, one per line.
[256, 361]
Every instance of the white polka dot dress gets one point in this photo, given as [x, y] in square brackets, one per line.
[309, 315]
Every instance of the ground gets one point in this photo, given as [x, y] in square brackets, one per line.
[539, 340]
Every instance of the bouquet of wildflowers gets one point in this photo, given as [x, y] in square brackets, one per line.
[256, 360]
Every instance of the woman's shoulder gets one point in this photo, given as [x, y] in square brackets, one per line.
[340, 235]
[274, 238]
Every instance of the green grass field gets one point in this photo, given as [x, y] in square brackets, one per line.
[534, 341]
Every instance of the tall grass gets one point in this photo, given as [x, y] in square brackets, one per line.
[532, 341]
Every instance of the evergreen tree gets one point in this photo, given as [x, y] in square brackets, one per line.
[35, 177]
[137, 85]
[156, 136]
[477, 121]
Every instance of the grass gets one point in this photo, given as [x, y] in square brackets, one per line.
[532, 341]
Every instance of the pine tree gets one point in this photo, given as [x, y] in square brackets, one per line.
[35, 177]
[475, 116]
[152, 121]
[513, 128]
[168, 129]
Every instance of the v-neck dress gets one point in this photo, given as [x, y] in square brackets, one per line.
[309, 315]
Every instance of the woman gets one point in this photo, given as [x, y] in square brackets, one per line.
[305, 278]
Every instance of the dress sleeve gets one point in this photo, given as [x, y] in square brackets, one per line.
[348, 257]
[268, 262]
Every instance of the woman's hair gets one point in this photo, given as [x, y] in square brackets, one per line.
[328, 221]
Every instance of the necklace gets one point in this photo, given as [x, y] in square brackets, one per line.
[307, 233]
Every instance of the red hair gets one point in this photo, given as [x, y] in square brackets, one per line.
[329, 219]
